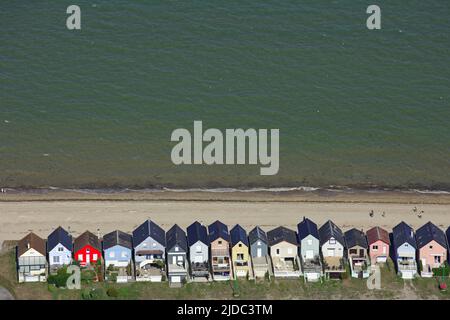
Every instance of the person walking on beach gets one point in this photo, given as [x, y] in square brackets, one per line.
[420, 214]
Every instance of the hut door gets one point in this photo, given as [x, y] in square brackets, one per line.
[330, 252]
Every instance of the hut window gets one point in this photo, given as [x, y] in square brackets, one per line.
[111, 254]
[375, 248]
[56, 259]
[95, 256]
[176, 248]
[219, 242]
[240, 245]
[198, 249]
[431, 247]
[60, 249]
[309, 242]
[259, 243]
[353, 251]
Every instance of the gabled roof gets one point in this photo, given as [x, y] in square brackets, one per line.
[197, 232]
[149, 229]
[257, 234]
[375, 234]
[280, 234]
[429, 232]
[238, 234]
[306, 228]
[402, 233]
[59, 235]
[86, 238]
[117, 238]
[218, 230]
[330, 230]
[447, 234]
[176, 236]
[355, 237]
[31, 241]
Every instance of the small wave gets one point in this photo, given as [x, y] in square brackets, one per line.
[89, 191]
[334, 189]
[225, 190]
[431, 191]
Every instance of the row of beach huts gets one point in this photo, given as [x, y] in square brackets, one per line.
[214, 253]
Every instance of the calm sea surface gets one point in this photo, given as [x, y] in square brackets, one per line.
[96, 107]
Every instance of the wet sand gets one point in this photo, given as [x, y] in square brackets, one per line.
[246, 195]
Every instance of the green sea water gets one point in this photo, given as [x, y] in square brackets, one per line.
[96, 107]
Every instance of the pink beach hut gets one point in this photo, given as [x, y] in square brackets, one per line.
[378, 240]
[432, 246]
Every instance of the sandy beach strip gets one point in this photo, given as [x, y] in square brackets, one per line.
[17, 218]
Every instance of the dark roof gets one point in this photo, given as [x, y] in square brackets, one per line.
[149, 229]
[306, 228]
[429, 232]
[330, 230]
[31, 241]
[86, 238]
[355, 237]
[447, 233]
[280, 234]
[238, 234]
[377, 233]
[59, 235]
[176, 236]
[218, 230]
[402, 233]
[117, 238]
[257, 234]
[197, 232]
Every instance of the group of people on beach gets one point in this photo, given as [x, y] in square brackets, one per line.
[415, 210]
[372, 213]
[419, 214]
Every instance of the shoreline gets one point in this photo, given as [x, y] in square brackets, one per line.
[43, 210]
[299, 194]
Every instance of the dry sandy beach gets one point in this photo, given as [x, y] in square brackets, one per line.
[20, 214]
